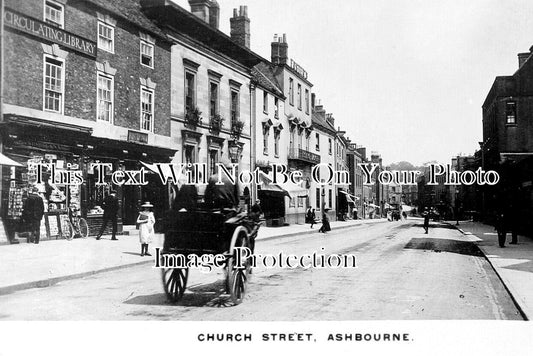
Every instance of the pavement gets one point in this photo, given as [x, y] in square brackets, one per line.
[513, 263]
[27, 265]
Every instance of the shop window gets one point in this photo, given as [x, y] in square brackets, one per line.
[510, 112]
[105, 98]
[234, 105]
[300, 202]
[147, 54]
[53, 13]
[106, 37]
[213, 99]
[53, 84]
[190, 90]
[147, 109]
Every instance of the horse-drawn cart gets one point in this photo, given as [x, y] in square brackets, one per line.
[214, 232]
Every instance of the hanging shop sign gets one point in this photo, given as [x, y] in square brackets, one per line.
[40, 29]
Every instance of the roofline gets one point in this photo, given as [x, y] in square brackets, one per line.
[165, 3]
[124, 18]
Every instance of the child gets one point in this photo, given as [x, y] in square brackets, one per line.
[146, 221]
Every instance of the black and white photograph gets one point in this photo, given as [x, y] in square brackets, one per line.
[266, 176]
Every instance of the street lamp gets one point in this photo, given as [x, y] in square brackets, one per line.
[235, 150]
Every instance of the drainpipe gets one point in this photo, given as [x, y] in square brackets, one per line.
[253, 140]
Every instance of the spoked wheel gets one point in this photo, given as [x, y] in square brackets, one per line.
[67, 230]
[237, 276]
[84, 228]
[175, 282]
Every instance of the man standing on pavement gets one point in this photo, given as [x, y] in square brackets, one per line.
[426, 220]
[110, 206]
[32, 213]
[256, 210]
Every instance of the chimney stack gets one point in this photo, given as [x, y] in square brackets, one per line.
[214, 14]
[280, 50]
[240, 26]
[522, 57]
[207, 10]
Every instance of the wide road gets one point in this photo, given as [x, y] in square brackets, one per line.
[401, 274]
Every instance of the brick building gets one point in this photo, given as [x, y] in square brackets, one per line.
[85, 82]
[507, 145]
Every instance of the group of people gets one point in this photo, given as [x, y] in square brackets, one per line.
[310, 218]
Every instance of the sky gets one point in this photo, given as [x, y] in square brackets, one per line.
[405, 78]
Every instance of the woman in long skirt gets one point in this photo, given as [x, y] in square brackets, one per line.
[146, 221]
[325, 222]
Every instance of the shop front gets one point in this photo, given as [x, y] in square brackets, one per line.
[66, 163]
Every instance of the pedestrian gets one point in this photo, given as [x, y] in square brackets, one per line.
[256, 211]
[325, 222]
[146, 221]
[221, 196]
[513, 221]
[32, 213]
[308, 215]
[110, 205]
[501, 229]
[312, 218]
[426, 220]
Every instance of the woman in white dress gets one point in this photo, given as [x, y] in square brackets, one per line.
[146, 221]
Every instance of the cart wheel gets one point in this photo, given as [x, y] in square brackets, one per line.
[237, 278]
[175, 282]
[84, 228]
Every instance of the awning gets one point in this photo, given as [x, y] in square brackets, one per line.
[294, 190]
[350, 196]
[289, 189]
[6, 161]
[274, 189]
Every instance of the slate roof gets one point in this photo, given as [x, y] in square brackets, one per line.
[319, 122]
[264, 75]
[129, 10]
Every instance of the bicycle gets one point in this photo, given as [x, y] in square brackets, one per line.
[77, 226]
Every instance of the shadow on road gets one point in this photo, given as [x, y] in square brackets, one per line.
[436, 225]
[444, 245]
[212, 295]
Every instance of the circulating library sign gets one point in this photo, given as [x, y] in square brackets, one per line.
[48, 32]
